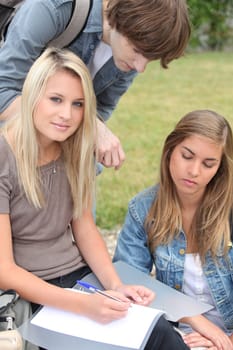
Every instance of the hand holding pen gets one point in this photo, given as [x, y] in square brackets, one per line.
[94, 289]
[105, 309]
[137, 294]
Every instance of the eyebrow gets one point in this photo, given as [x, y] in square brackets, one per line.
[189, 150]
[61, 95]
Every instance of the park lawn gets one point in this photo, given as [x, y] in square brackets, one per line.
[149, 110]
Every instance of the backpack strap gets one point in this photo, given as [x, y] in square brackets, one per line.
[8, 9]
[78, 19]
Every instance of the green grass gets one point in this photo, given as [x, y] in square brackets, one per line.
[149, 110]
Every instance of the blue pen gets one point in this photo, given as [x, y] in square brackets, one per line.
[94, 289]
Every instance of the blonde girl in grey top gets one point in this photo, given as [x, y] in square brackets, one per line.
[47, 181]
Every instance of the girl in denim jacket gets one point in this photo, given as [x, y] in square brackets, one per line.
[182, 226]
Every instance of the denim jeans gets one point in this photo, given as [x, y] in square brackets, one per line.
[164, 337]
[66, 281]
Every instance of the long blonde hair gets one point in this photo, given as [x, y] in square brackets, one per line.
[211, 221]
[78, 149]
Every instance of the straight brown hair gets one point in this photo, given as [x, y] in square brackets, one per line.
[159, 29]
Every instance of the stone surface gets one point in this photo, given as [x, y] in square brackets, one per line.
[110, 237]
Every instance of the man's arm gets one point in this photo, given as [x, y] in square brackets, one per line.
[109, 149]
[110, 152]
[33, 26]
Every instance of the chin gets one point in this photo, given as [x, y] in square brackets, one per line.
[122, 66]
[124, 69]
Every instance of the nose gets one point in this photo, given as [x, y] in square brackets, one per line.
[194, 169]
[140, 63]
[65, 111]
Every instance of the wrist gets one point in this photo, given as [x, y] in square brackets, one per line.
[189, 320]
[116, 285]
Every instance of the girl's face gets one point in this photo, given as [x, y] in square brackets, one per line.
[59, 111]
[193, 164]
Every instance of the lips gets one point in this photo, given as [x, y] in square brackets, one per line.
[129, 67]
[60, 126]
[126, 66]
[189, 182]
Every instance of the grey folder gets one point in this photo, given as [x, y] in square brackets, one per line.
[172, 302]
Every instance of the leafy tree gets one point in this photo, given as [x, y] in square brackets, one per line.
[212, 22]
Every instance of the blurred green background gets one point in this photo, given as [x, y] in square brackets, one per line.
[149, 110]
[158, 98]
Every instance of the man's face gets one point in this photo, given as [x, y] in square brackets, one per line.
[126, 56]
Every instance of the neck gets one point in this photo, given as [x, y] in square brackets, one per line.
[49, 153]
[190, 202]
[188, 215]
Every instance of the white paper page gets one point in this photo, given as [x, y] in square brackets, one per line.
[128, 332]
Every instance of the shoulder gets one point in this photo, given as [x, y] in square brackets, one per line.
[141, 203]
[55, 4]
[56, 12]
[145, 197]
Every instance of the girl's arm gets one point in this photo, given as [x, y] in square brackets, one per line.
[207, 334]
[95, 253]
[34, 289]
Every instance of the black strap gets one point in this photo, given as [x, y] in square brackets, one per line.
[7, 299]
[8, 9]
[6, 14]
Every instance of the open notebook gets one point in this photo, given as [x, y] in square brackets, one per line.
[59, 330]
[131, 332]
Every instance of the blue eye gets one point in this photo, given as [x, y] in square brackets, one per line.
[55, 99]
[78, 104]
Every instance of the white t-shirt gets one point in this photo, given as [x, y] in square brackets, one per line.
[101, 55]
[196, 286]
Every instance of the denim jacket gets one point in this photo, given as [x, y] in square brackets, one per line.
[35, 24]
[169, 259]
